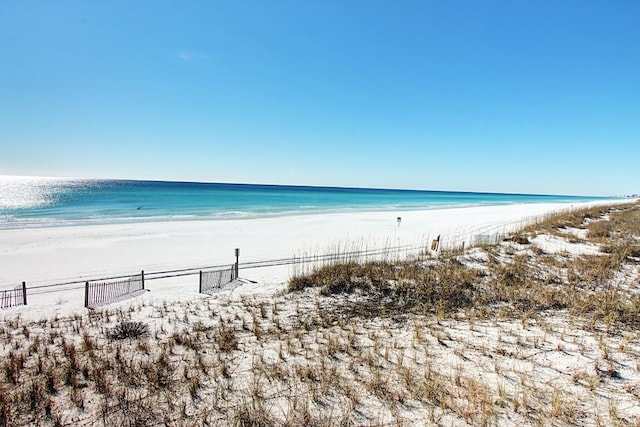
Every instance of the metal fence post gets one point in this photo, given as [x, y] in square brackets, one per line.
[237, 262]
[200, 283]
[24, 293]
[86, 295]
[142, 279]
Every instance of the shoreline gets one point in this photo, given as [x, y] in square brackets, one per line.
[45, 223]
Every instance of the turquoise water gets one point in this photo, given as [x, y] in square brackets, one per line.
[43, 202]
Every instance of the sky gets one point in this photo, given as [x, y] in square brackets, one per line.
[499, 96]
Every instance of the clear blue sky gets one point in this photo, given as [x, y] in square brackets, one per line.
[504, 96]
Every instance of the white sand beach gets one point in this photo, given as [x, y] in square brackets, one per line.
[42, 256]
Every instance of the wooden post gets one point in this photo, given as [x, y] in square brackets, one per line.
[200, 283]
[142, 279]
[24, 293]
[86, 295]
[237, 261]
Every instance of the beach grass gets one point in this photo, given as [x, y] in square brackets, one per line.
[538, 329]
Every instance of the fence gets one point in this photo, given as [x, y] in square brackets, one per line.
[487, 239]
[107, 290]
[102, 293]
[14, 297]
[112, 289]
[215, 279]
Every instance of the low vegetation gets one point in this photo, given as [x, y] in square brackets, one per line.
[129, 330]
[539, 329]
[514, 279]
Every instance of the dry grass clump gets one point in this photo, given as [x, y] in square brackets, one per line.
[570, 219]
[129, 330]
[594, 271]
[516, 288]
[623, 252]
[626, 220]
[226, 338]
[520, 238]
[599, 229]
[397, 287]
[345, 277]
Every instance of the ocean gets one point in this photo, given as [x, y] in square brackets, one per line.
[27, 202]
